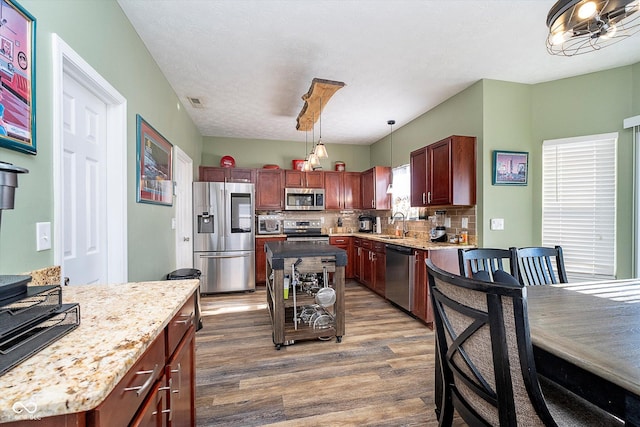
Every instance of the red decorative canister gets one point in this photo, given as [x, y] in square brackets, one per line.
[340, 167]
[297, 164]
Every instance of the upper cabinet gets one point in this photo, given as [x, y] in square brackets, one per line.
[269, 189]
[300, 179]
[342, 190]
[373, 185]
[215, 174]
[444, 173]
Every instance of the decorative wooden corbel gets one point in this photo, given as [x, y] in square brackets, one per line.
[314, 101]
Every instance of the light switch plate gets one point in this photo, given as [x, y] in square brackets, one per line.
[465, 222]
[447, 222]
[497, 223]
[43, 236]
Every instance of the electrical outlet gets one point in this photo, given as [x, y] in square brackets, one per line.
[497, 223]
[43, 236]
[447, 222]
[465, 222]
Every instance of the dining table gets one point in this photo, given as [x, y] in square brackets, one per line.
[586, 337]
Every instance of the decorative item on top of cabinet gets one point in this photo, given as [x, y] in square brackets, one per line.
[374, 183]
[301, 179]
[216, 174]
[269, 189]
[444, 173]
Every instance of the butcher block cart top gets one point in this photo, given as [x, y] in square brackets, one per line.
[293, 298]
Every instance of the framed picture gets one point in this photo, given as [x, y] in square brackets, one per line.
[510, 168]
[154, 165]
[17, 78]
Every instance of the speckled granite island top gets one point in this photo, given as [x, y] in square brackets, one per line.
[77, 372]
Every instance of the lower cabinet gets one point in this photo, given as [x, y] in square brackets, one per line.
[261, 257]
[371, 265]
[346, 244]
[447, 259]
[155, 393]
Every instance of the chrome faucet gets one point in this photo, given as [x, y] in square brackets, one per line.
[405, 231]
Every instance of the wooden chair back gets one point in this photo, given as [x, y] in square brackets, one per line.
[488, 259]
[483, 342]
[540, 265]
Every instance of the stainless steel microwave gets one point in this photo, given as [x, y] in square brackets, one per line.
[304, 199]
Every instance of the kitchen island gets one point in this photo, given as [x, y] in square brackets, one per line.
[286, 306]
[129, 337]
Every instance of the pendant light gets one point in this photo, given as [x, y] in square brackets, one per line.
[313, 158]
[321, 150]
[390, 187]
[306, 166]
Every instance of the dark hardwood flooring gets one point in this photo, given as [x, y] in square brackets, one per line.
[381, 374]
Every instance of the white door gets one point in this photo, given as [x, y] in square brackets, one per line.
[84, 185]
[89, 171]
[183, 173]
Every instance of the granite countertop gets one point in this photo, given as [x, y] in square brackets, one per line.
[78, 371]
[400, 241]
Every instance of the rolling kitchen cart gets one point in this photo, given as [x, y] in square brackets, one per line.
[286, 263]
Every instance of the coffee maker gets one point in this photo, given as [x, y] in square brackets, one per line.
[438, 229]
[365, 224]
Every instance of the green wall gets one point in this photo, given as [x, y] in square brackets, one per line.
[102, 35]
[507, 126]
[255, 153]
[586, 105]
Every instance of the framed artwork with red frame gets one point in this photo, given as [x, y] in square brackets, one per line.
[17, 78]
[154, 165]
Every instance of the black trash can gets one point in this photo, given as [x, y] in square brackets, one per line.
[185, 274]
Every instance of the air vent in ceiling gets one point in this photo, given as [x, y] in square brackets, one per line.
[195, 102]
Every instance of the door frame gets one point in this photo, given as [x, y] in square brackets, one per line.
[67, 61]
[182, 159]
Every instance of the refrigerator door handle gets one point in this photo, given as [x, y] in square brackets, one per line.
[225, 256]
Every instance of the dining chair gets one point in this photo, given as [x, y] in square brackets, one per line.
[475, 260]
[540, 265]
[485, 357]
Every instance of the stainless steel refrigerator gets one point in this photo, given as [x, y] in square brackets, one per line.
[224, 236]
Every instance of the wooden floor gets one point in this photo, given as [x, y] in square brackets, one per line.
[381, 374]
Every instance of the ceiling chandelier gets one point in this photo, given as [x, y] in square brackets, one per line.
[581, 26]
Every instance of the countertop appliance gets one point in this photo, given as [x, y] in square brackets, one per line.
[269, 224]
[365, 224]
[438, 230]
[224, 236]
[400, 264]
[304, 199]
[305, 230]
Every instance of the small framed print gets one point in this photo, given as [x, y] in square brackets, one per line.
[154, 165]
[510, 168]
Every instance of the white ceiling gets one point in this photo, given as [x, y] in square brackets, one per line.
[250, 61]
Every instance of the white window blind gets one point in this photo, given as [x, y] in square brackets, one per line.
[579, 203]
[401, 197]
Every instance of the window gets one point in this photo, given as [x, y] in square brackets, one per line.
[401, 196]
[579, 203]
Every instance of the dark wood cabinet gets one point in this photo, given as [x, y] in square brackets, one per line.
[342, 190]
[300, 179]
[334, 190]
[269, 189]
[447, 259]
[444, 173]
[373, 187]
[357, 258]
[216, 174]
[351, 190]
[181, 385]
[261, 257]
[372, 265]
[345, 243]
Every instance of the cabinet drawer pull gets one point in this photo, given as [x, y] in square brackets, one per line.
[424, 199]
[185, 321]
[179, 372]
[142, 389]
[429, 197]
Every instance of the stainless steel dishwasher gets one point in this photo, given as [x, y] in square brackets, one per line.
[399, 275]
